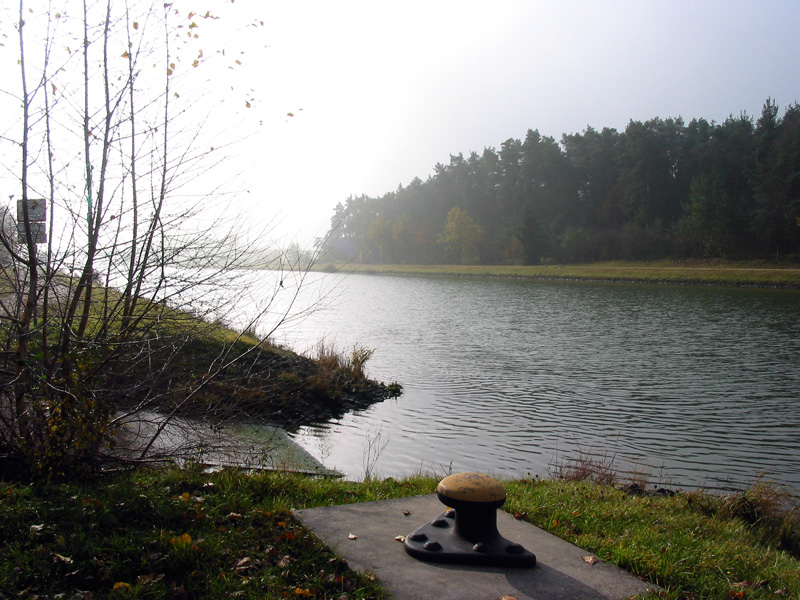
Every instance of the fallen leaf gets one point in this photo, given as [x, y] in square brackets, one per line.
[782, 592]
[743, 584]
[181, 540]
[244, 564]
[521, 516]
[406, 512]
[352, 536]
[590, 559]
[284, 562]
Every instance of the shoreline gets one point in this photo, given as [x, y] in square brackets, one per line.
[733, 274]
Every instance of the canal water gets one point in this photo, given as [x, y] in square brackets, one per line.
[686, 385]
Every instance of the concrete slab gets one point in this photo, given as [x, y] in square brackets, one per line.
[560, 572]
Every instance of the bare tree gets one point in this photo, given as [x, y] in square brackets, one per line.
[95, 320]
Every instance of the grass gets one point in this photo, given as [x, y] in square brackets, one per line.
[179, 534]
[739, 273]
[684, 543]
[187, 534]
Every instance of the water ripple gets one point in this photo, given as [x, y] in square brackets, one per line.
[697, 384]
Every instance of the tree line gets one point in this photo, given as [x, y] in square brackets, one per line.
[660, 189]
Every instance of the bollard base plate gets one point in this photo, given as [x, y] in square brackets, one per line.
[436, 541]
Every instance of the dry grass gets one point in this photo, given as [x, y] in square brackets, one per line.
[330, 358]
[597, 468]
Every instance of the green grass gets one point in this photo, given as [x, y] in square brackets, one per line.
[685, 543]
[741, 273]
[186, 534]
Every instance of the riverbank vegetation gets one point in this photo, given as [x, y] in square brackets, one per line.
[186, 533]
[733, 273]
[185, 367]
[662, 188]
[116, 285]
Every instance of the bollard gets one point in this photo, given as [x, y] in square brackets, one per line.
[467, 532]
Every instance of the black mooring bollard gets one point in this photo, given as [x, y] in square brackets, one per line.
[467, 532]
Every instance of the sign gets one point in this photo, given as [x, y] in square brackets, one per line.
[37, 211]
[37, 217]
[38, 232]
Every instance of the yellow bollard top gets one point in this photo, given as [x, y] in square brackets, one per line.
[471, 487]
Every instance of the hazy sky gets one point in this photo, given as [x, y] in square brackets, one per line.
[389, 88]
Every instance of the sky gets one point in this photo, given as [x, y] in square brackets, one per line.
[381, 91]
[388, 89]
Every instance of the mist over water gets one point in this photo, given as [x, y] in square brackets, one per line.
[693, 385]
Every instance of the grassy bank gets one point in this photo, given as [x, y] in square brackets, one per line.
[272, 383]
[186, 534]
[751, 273]
[177, 364]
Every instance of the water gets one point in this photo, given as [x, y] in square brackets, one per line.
[695, 386]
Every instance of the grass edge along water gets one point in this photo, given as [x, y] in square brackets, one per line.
[188, 533]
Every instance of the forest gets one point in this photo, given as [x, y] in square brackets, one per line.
[660, 189]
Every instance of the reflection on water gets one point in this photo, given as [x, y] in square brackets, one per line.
[695, 385]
